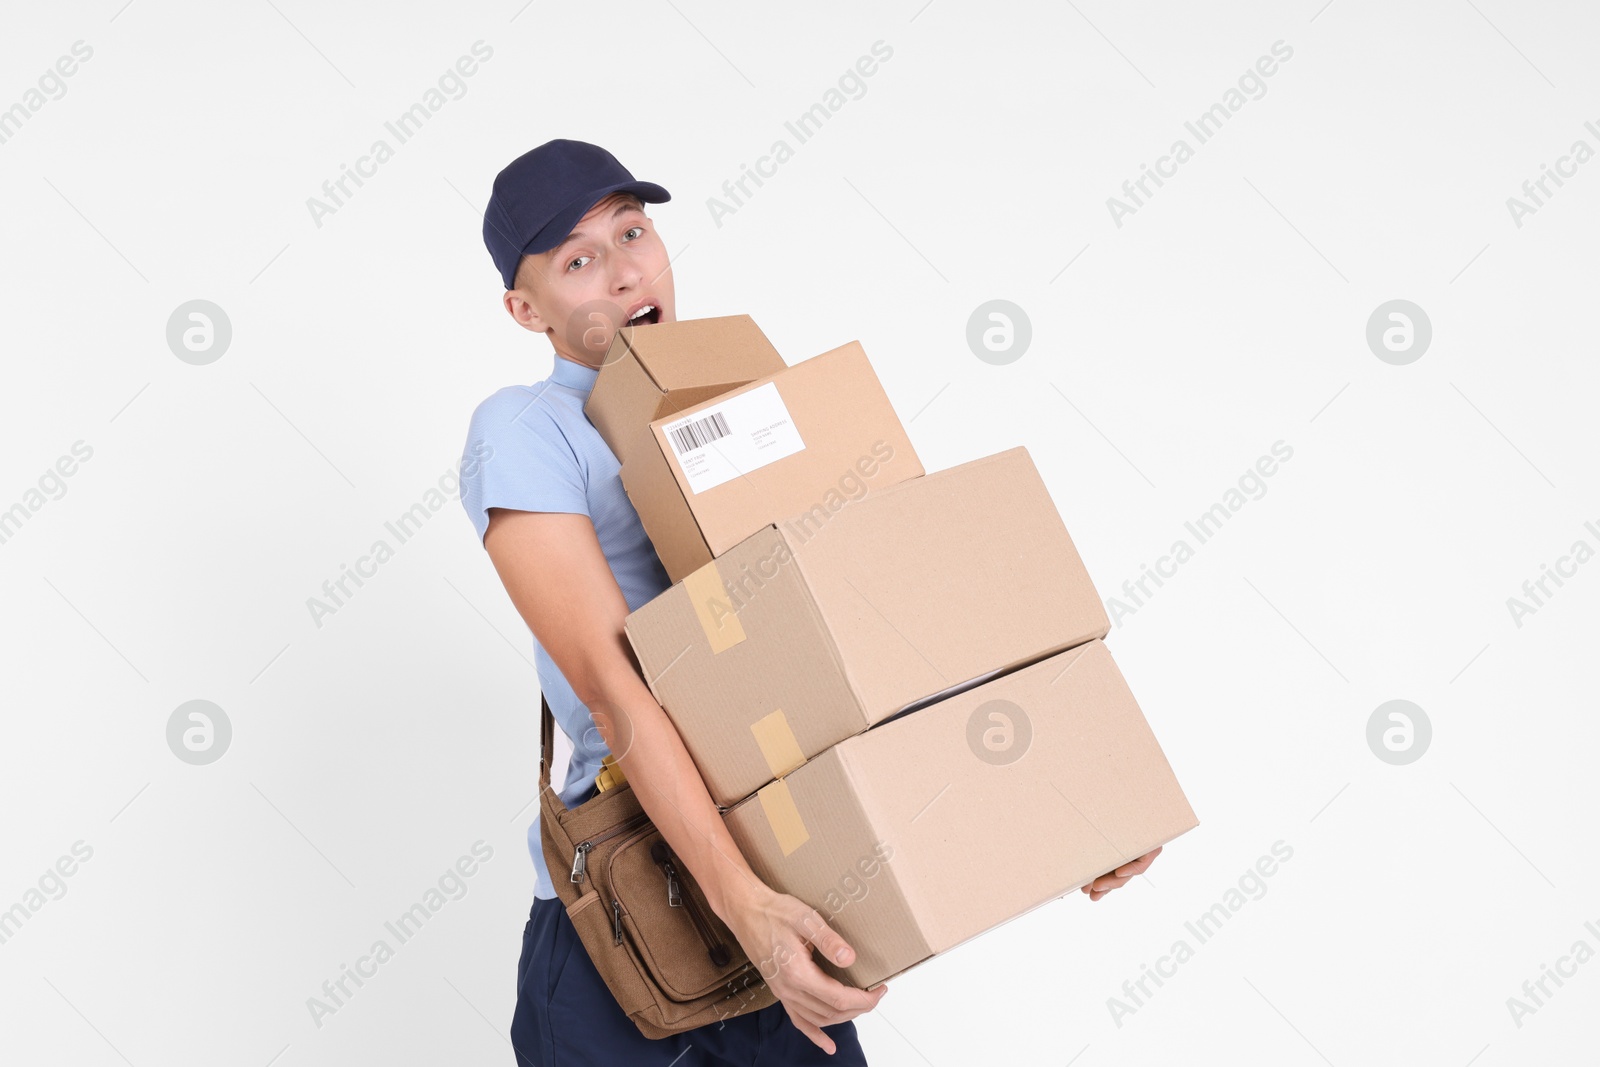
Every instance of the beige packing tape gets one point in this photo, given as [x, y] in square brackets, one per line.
[722, 627]
[782, 752]
[783, 816]
[777, 743]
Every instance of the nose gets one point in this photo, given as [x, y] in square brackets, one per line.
[626, 276]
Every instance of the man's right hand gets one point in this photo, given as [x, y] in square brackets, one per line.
[778, 932]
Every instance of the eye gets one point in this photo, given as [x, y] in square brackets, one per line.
[633, 229]
[578, 259]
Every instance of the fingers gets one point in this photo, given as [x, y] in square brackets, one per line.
[823, 938]
[819, 999]
[828, 1011]
[810, 978]
[1121, 876]
[831, 999]
[812, 1031]
[1105, 884]
[1138, 866]
[811, 1013]
[811, 998]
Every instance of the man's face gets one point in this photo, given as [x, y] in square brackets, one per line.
[612, 265]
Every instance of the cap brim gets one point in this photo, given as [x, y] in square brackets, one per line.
[557, 229]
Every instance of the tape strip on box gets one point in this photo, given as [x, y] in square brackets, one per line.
[721, 625]
[784, 818]
[777, 743]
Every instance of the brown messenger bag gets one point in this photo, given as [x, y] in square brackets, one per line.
[672, 964]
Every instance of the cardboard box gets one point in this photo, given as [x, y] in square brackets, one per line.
[948, 821]
[814, 628]
[656, 370]
[805, 439]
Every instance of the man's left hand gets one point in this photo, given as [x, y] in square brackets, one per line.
[1121, 876]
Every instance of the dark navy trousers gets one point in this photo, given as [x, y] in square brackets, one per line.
[566, 1017]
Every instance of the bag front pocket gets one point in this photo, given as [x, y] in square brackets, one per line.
[689, 951]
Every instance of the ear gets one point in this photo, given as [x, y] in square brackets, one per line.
[526, 315]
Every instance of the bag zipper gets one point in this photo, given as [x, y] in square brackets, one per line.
[677, 899]
[580, 858]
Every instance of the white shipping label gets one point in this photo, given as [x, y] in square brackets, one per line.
[743, 433]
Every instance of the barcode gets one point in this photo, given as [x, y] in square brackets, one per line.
[700, 432]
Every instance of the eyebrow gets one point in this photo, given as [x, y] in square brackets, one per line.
[575, 235]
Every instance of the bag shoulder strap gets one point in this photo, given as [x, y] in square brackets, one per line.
[547, 732]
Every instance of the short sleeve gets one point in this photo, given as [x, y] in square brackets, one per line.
[517, 457]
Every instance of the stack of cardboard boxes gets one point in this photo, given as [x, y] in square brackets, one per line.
[893, 682]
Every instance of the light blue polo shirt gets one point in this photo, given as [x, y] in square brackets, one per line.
[531, 448]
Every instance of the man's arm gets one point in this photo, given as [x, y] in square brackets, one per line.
[557, 576]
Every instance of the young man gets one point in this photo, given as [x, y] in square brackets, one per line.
[567, 230]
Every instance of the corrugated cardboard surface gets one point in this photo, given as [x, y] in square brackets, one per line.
[652, 371]
[944, 578]
[843, 621]
[847, 424]
[974, 843]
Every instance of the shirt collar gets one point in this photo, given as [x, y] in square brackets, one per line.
[574, 375]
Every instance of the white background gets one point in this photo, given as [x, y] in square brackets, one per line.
[1228, 313]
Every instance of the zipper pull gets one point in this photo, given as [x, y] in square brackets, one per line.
[663, 858]
[616, 920]
[580, 860]
[674, 898]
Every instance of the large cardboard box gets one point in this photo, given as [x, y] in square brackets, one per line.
[803, 440]
[813, 629]
[656, 370]
[945, 822]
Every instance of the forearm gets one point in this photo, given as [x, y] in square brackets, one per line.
[669, 787]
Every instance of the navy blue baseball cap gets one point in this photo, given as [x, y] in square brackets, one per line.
[540, 196]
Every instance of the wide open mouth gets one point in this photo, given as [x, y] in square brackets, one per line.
[649, 315]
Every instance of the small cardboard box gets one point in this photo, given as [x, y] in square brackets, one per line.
[945, 822]
[802, 440]
[656, 370]
[813, 629]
